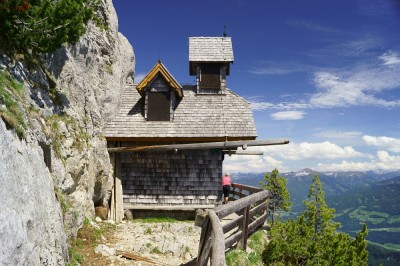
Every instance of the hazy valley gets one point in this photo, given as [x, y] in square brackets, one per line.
[358, 197]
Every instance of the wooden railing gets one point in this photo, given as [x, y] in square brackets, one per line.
[216, 237]
[239, 191]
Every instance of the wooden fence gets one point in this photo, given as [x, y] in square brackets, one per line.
[251, 206]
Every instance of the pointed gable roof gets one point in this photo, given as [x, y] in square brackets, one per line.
[159, 68]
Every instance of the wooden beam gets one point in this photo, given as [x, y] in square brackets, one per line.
[196, 146]
[132, 256]
[234, 152]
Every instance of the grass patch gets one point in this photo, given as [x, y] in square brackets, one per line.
[155, 250]
[237, 258]
[394, 219]
[76, 258]
[384, 229]
[369, 216]
[11, 108]
[256, 243]
[147, 231]
[343, 212]
[389, 246]
[65, 205]
[81, 249]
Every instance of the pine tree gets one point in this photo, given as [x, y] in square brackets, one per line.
[41, 26]
[317, 213]
[279, 197]
[313, 238]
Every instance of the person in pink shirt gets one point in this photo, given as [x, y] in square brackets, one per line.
[226, 186]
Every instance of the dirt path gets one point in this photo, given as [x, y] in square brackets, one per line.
[163, 243]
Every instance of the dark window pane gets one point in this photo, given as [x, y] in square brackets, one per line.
[210, 76]
[210, 81]
[210, 69]
[159, 106]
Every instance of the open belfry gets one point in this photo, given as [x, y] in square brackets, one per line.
[159, 114]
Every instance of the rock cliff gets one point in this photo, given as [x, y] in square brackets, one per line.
[53, 177]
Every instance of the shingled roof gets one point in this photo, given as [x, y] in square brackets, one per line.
[196, 118]
[210, 49]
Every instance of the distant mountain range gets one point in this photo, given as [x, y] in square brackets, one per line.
[334, 183]
[358, 197]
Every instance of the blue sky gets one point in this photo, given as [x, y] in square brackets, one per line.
[324, 74]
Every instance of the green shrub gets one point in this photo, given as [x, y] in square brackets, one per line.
[11, 100]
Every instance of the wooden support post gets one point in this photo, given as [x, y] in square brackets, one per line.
[245, 229]
[119, 208]
[112, 207]
[117, 204]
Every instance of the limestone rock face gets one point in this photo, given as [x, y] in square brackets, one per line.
[91, 75]
[31, 221]
[69, 100]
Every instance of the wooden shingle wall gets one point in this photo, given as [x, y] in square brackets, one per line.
[168, 178]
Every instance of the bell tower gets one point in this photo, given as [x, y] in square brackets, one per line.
[209, 61]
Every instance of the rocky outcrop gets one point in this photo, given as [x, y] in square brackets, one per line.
[69, 99]
[31, 222]
[91, 75]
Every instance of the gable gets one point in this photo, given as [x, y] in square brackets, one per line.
[159, 70]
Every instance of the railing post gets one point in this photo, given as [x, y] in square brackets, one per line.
[245, 229]
[205, 244]
[212, 241]
[218, 249]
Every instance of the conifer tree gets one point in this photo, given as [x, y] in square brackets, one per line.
[41, 26]
[313, 238]
[279, 197]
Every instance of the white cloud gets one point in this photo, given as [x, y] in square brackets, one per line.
[281, 156]
[244, 164]
[273, 70]
[310, 25]
[319, 150]
[252, 164]
[338, 134]
[345, 166]
[384, 161]
[383, 142]
[280, 68]
[288, 115]
[360, 87]
[390, 58]
[258, 106]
